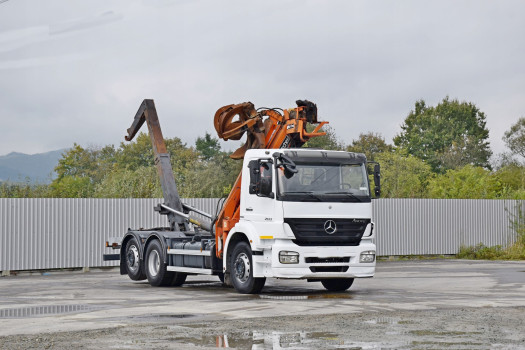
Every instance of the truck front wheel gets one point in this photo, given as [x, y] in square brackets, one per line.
[241, 270]
[156, 267]
[337, 284]
[134, 266]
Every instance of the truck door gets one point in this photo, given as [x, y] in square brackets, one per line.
[259, 205]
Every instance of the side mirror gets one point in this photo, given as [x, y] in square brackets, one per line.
[287, 163]
[261, 178]
[377, 180]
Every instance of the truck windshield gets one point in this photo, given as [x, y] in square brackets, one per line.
[327, 182]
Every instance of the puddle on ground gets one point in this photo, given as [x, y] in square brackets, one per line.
[304, 297]
[281, 340]
[384, 320]
[160, 317]
[46, 310]
[203, 284]
[432, 332]
[331, 296]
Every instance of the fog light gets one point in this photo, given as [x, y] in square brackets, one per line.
[368, 256]
[286, 257]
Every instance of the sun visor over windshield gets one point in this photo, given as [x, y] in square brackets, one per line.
[298, 155]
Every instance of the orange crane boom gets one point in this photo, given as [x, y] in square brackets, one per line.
[284, 129]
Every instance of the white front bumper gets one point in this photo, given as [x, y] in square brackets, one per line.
[268, 265]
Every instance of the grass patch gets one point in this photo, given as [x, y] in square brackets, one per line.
[482, 252]
[414, 257]
[515, 251]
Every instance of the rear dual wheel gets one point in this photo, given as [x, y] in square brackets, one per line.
[134, 266]
[156, 268]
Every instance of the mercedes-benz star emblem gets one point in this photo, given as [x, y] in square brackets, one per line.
[330, 227]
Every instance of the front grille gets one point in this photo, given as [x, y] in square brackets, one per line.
[311, 232]
[329, 268]
[327, 260]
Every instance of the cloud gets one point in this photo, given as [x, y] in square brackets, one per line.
[40, 61]
[14, 39]
[79, 74]
[84, 23]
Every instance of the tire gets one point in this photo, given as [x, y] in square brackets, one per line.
[178, 279]
[241, 270]
[155, 266]
[134, 266]
[337, 284]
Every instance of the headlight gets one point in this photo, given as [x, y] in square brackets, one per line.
[367, 257]
[286, 257]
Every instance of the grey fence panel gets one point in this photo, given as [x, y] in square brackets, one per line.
[46, 233]
[441, 226]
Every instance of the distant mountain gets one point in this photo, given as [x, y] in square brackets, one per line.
[37, 168]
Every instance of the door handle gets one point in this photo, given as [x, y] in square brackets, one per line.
[249, 209]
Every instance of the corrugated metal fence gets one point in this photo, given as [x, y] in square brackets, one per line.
[441, 226]
[47, 233]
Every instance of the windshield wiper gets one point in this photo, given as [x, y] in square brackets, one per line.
[309, 193]
[345, 194]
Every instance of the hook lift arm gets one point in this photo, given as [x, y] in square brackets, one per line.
[177, 211]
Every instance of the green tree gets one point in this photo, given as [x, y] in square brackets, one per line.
[448, 136]
[79, 170]
[139, 153]
[512, 177]
[141, 182]
[330, 141]
[208, 146]
[78, 162]
[514, 138]
[403, 176]
[71, 186]
[468, 182]
[133, 173]
[23, 190]
[215, 179]
[129, 171]
[135, 154]
[370, 144]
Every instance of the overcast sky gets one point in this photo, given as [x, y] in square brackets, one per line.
[77, 71]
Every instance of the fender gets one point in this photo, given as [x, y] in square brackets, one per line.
[155, 235]
[129, 235]
[246, 229]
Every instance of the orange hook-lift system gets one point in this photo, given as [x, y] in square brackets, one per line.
[284, 129]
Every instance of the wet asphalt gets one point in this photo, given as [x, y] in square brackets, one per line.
[73, 301]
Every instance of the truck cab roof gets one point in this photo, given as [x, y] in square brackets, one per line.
[308, 153]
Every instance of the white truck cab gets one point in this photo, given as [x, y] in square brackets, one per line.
[307, 215]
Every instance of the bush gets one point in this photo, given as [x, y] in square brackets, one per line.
[481, 252]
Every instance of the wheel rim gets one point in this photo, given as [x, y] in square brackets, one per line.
[153, 263]
[133, 258]
[242, 267]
